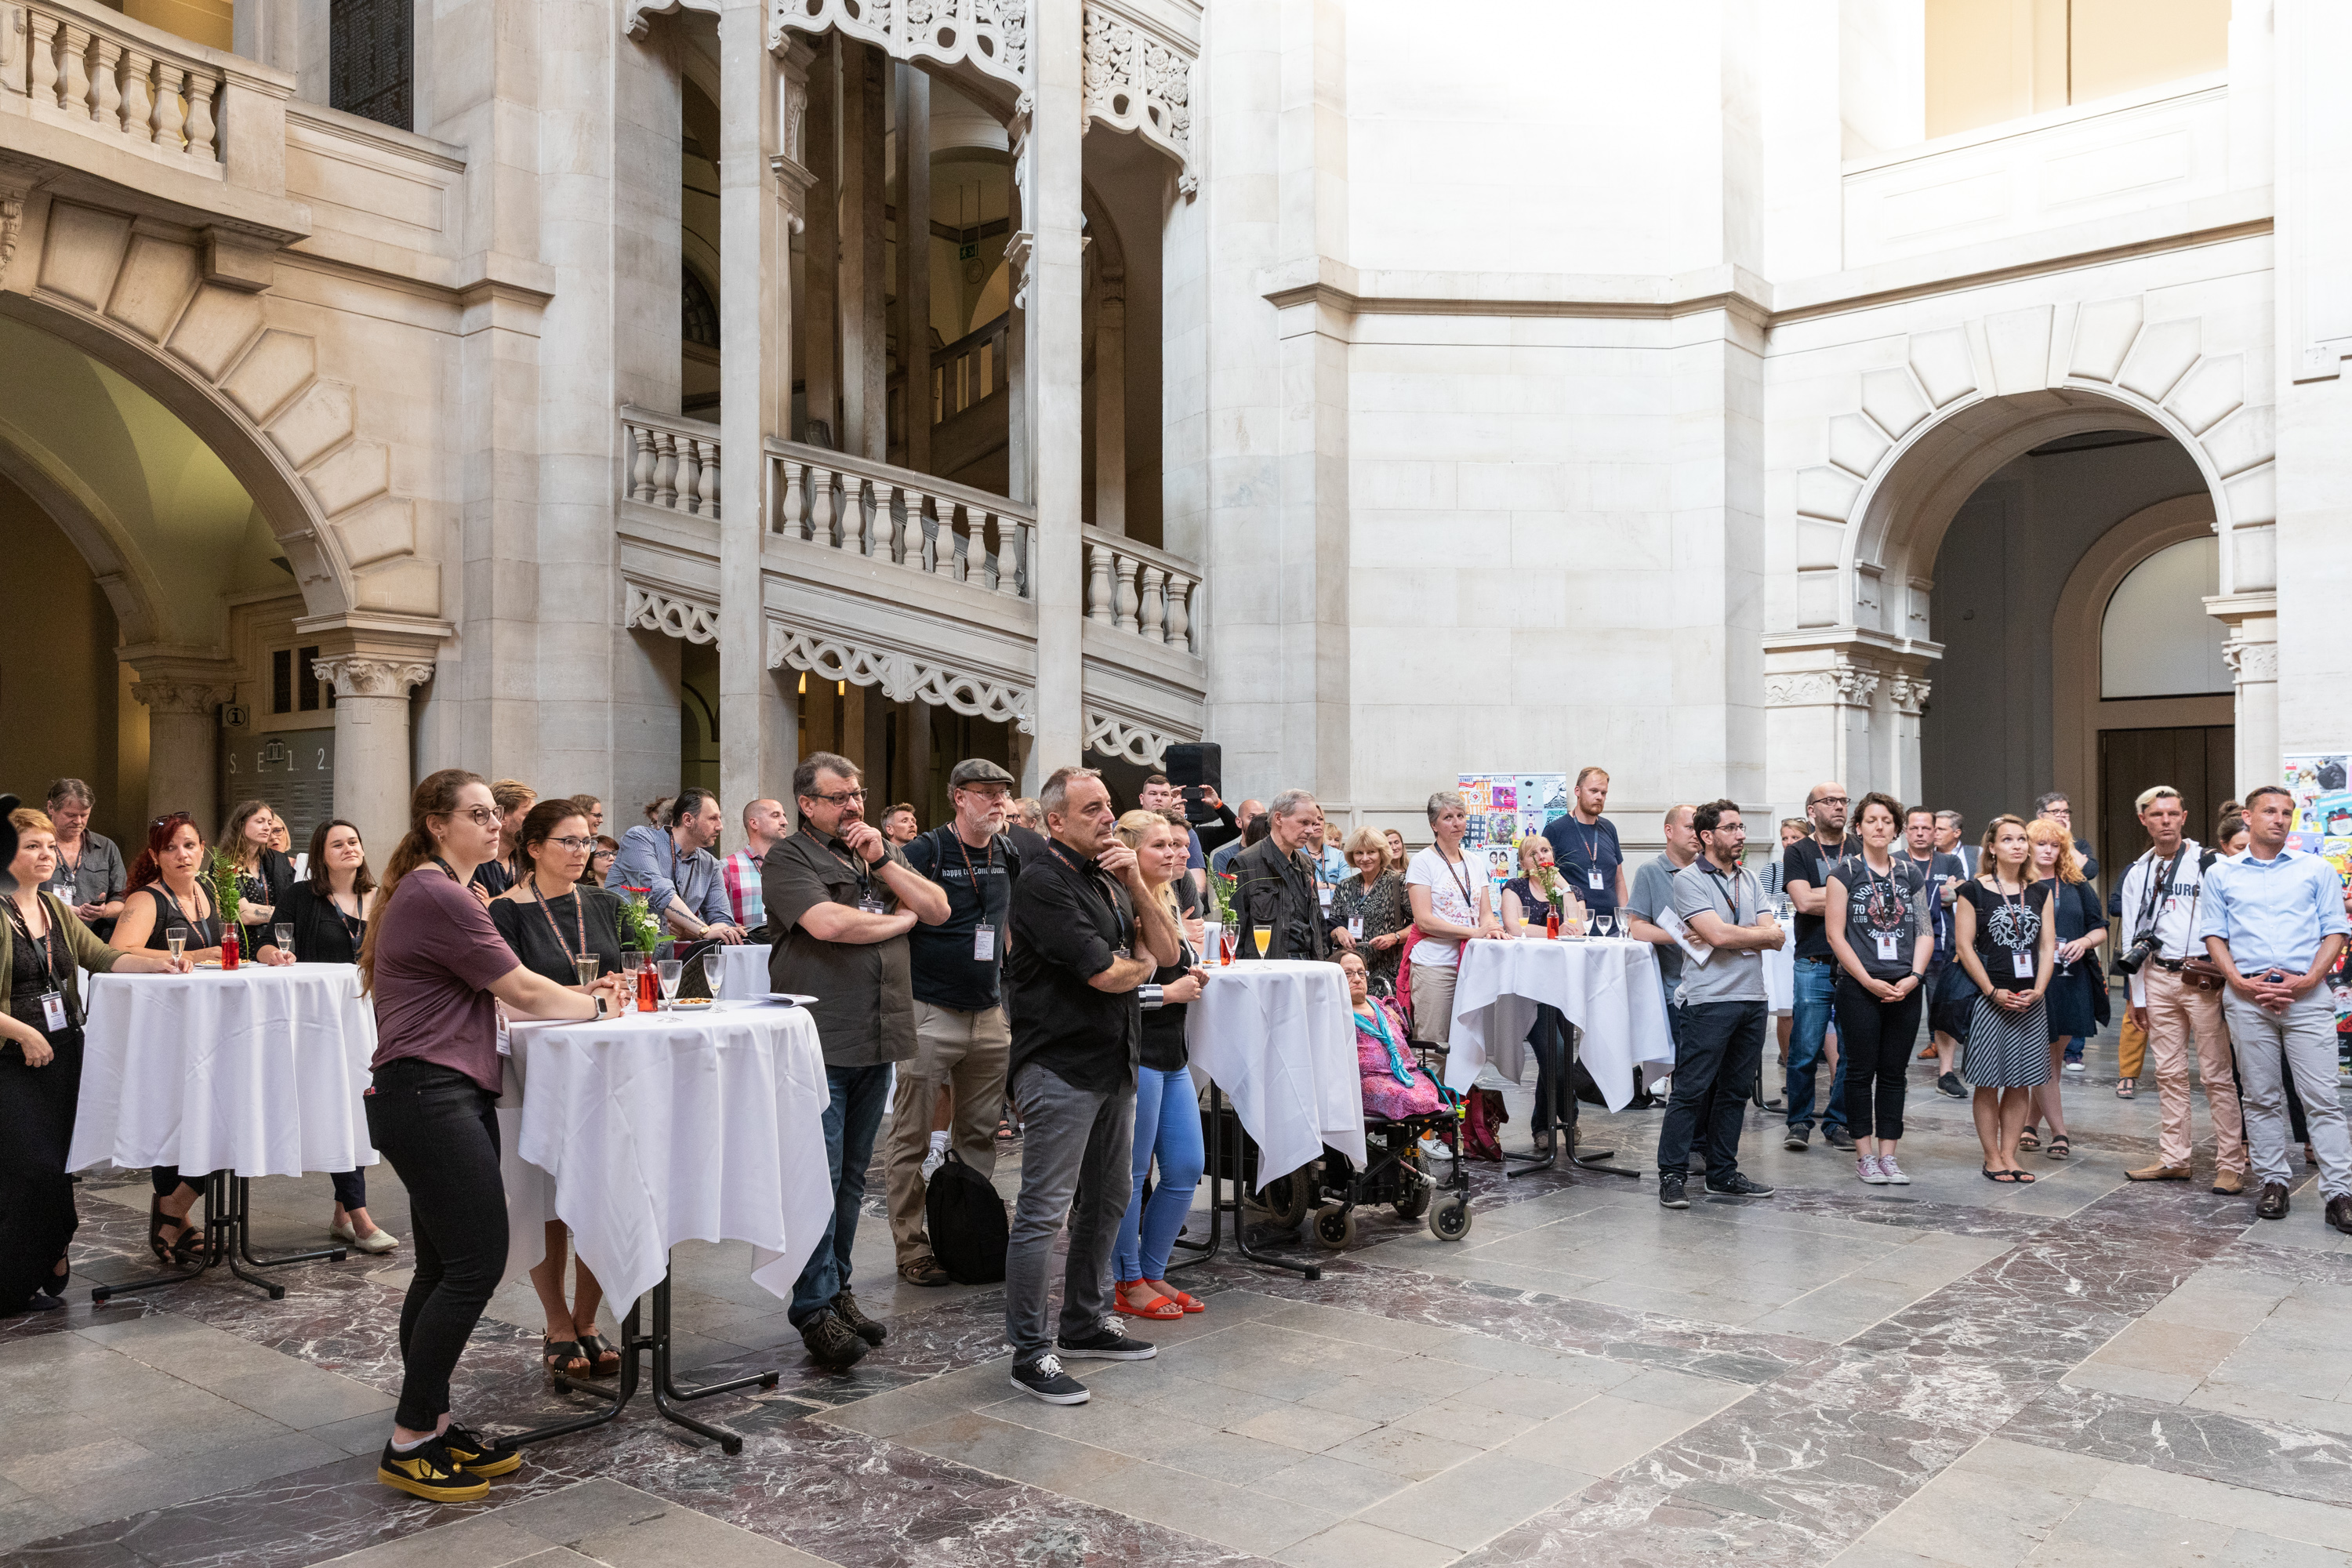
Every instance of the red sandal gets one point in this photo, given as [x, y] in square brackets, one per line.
[1161, 1308]
[1183, 1299]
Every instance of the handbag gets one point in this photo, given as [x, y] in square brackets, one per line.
[2202, 974]
[1481, 1128]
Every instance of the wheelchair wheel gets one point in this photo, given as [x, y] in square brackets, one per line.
[1287, 1198]
[1413, 1190]
[1450, 1221]
[1335, 1226]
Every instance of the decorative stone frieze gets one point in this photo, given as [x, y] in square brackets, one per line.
[672, 615]
[903, 677]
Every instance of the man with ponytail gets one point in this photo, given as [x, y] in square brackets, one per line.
[438, 968]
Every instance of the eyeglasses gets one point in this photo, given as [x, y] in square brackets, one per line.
[845, 797]
[577, 845]
[479, 816]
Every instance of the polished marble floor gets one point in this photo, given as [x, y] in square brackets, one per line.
[2081, 1370]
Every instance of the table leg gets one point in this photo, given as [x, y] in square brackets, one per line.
[631, 1343]
[1219, 1205]
[666, 1389]
[1564, 1119]
[229, 1206]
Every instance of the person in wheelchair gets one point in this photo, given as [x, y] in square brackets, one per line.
[1395, 1085]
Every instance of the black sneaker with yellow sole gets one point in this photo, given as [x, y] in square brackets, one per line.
[478, 1454]
[429, 1471]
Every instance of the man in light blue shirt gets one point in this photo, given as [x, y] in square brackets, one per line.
[683, 885]
[2273, 922]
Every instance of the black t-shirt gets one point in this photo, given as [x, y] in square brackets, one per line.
[1806, 861]
[1889, 907]
[1163, 1027]
[1578, 851]
[2006, 925]
[979, 886]
[1070, 919]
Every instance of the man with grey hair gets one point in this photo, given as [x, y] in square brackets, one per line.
[88, 860]
[1948, 824]
[1274, 884]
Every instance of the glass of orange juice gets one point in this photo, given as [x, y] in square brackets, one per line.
[1264, 937]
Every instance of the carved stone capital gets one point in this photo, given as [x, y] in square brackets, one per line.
[1908, 693]
[181, 697]
[1018, 251]
[357, 675]
[2252, 661]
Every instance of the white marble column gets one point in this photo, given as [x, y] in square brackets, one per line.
[1053, 362]
[915, 261]
[2253, 653]
[372, 785]
[1110, 404]
[184, 740]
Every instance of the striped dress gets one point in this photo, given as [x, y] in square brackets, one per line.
[2006, 1049]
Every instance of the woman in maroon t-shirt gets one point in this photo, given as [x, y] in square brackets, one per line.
[438, 968]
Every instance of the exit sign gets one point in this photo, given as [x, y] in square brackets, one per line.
[966, 252]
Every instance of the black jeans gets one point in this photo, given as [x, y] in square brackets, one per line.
[1555, 1091]
[1875, 1039]
[439, 1129]
[37, 1221]
[1716, 1061]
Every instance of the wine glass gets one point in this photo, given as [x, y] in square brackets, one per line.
[1605, 924]
[714, 959]
[178, 938]
[669, 972]
[587, 968]
[285, 934]
[1264, 938]
[632, 959]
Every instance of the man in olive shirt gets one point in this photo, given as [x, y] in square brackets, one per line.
[842, 899]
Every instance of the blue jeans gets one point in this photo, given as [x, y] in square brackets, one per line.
[1168, 1124]
[852, 1119]
[1809, 1021]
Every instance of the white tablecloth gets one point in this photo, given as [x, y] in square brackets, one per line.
[260, 1070]
[642, 1131]
[1276, 1037]
[743, 971]
[1607, 986]
[1781, 976]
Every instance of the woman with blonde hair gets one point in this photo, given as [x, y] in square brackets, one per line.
[1370, 908]
[265, 874]
[2081, 925]
[1167, 1110]
[2002, 938]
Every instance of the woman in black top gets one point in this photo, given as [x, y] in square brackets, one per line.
[2002, 938]
[2076, 980]
[328, 910]
[1167, 1109]
[263, 873]
[1883, 937]
[552, 920]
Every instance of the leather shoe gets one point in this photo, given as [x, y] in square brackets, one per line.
[2229, 1184]
[924, 1271]
[2272, 1203]
[2159, 1173]
[2339, 1212]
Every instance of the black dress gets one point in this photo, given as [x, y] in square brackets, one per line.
[552, 937]
[324, 933]
[267, 883]
[2073, 998]
[36, 1118]
[2005, 1050]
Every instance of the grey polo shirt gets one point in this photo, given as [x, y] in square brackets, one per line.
[1701, 889]
[98, 878]
[1654, 894]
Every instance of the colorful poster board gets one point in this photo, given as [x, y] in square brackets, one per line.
[1505, 808]
[2321, 783]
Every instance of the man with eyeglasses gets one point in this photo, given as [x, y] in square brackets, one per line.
[841, 899]
[1804, 879]
[683, 882]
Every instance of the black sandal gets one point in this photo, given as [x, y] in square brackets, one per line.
[597, 1347]
[554, 1353]
[2007, 1178]
[2060, 1147]
[184, 1250]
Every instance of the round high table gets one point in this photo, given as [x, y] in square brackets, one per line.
[1607, 986]
[254, 1071]
[743, 971]
[654, 1128]
[1273, 1036]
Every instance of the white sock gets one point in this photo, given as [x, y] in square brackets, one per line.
[938, 1143]
[400, 1447]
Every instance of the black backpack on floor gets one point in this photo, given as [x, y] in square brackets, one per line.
[965, 1218]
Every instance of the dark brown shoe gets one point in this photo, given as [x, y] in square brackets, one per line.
[864, 1326]
[924, 1271]
[2339, 1212]
[2272, 1204]
[831, 1343]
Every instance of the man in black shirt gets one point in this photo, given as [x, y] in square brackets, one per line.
[1804, 879]
[1274, 884]
[960, 1038]
[1086, 934]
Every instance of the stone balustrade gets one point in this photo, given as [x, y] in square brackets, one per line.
[673, 462]
[83, 67]
[1131, 587]
[909, 520]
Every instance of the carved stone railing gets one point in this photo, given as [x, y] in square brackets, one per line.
[1132, 587]
[672, 462]
[895, 516]
[85, 68]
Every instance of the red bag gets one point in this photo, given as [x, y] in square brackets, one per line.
[1482, 1137]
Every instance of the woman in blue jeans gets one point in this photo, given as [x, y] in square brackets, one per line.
[438, 969]
[1167, 1110]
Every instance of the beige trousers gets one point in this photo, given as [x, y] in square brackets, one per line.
[1432, 1002]
[2177, 1014]
[966, 1052]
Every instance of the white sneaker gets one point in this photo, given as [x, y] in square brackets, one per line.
[2075, 1066]
[1867, 1167]
[932, 1162]
[1892, 1174]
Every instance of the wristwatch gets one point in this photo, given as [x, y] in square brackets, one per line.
[600, 999]
[1151, 997]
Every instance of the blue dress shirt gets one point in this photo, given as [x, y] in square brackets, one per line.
[2273, 913]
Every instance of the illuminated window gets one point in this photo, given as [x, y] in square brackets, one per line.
[1990, 60]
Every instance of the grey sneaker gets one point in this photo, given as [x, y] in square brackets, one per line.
[1838, 1138]
[1799, 1138]
[1671, 1192]
[1949, 1084]
[1107, 1344]
[1045, 1379]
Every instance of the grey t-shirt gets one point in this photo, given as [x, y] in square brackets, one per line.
[1654, 894]
[1726, 976]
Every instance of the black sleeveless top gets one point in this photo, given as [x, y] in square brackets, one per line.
[202, 933]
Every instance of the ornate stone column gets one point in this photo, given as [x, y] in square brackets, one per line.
[1110, 404]
[183, 737]
[371, 754]
[1907, 691]
[2252, 655]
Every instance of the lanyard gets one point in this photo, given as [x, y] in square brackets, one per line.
[856, 866]
[987, 864]
[1894, 890]
[202, 928]
[574, 952]
[2018, 924]
[354, 926]
[46, 944]
[1733, 880]
[1460, 880]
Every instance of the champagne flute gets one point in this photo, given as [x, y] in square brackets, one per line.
[669, 972]
[177, 938]
[714, 959]
[587, 968]
[285, 934]
[1264, 938]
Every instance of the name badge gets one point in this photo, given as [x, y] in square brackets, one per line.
[1887, 952]
[871, 903]
[983, 944]
[2021, 961]
[1355, 928]
[1592, 877]
[53, 1009]
[1323, 895]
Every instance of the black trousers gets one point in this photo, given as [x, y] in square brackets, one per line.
[37, 1221]
[1716, 1061]
[1555, 1087]
[1876, 1038]
[439, 1129]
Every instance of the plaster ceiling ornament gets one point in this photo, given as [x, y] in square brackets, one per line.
[2251, 660]
[357, 675]
[991, 37]
[672, 615]
[902, 677]
[1137, 80]
[1117, 736]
